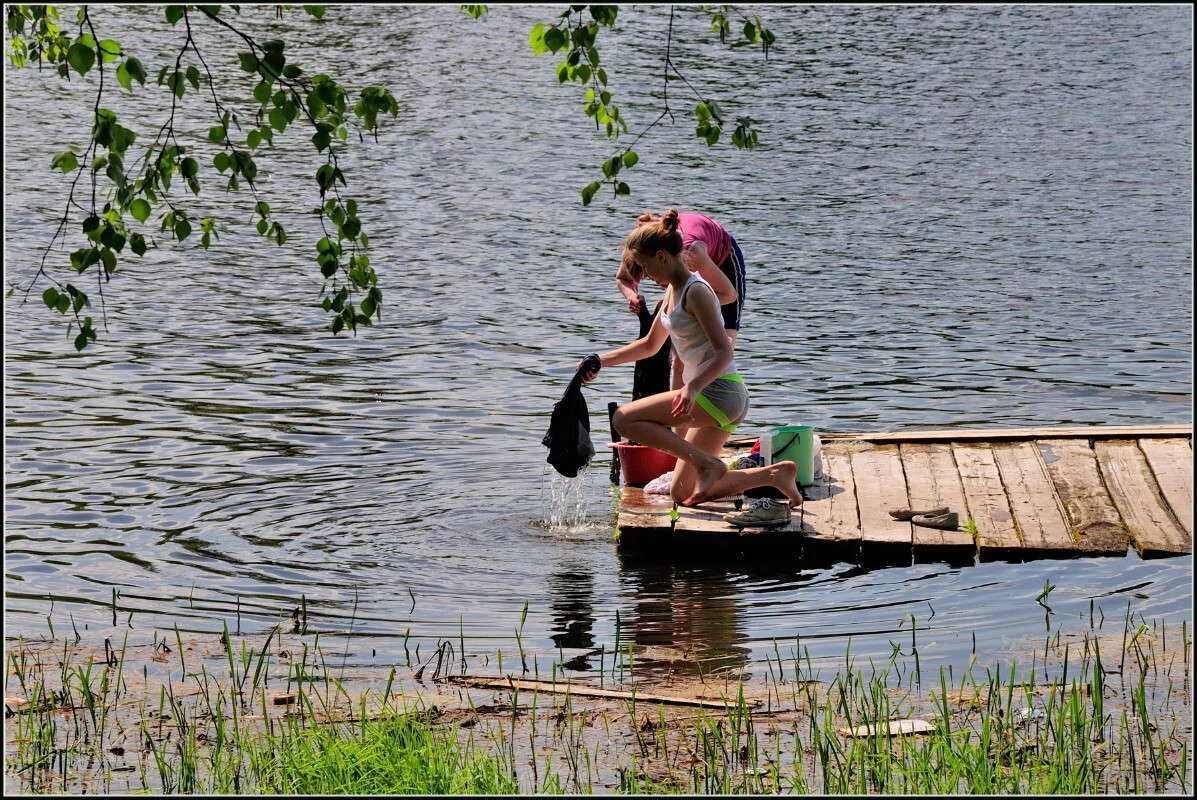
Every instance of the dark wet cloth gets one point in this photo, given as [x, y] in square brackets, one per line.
[653, 374]
[568, 438]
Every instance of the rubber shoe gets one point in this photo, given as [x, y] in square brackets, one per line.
[761, 512]
[944, 522]
[906, 514]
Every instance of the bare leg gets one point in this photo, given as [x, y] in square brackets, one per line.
[648, 421]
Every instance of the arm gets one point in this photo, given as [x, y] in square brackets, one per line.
[641, 348]
[698, 260]
[702, 303]
[628, 288]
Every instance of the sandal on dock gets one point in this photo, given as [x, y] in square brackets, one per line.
[944, 522]
[906, 514]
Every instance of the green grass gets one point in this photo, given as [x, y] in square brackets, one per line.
[398, 754]
[1078, 721]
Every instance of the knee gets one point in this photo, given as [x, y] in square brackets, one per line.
[620, 419]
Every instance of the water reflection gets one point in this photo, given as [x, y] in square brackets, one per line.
[684, 620]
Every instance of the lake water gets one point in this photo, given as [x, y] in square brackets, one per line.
[957, 216]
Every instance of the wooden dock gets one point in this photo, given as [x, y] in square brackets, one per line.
[1020, 493]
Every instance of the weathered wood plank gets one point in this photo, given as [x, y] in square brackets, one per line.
[1138, 499]
[1038, 515]
[705, 518]
[932, 481]
[880, 486]
[1000, 434]
[1171, 462]
[1095, 523]
[638, 510]
[829, 512]
[986, 498]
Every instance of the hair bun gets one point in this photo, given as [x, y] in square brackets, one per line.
[670, 220]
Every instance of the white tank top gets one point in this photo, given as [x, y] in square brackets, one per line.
[689, 339]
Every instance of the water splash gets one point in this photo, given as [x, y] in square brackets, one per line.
[567, 504]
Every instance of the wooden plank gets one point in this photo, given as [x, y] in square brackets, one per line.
[986, 498]
[638, 510]
[932, 481]
[880, 486]
[1139, 500]
[1000, 434]
[1039, 517]
[1171, 462]
[829, 511]
[1092, 517]
[578, 690]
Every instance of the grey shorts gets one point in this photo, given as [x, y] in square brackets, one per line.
[726, 400]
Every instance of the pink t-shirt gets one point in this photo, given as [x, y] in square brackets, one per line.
[697, 228]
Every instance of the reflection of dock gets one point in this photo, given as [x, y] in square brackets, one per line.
[1028, 492]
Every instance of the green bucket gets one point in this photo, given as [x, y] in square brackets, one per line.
[796, 443]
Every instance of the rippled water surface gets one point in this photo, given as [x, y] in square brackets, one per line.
[957, 216]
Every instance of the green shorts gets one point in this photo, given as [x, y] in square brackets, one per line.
[726, 400]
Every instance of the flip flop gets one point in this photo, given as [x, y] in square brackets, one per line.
[906, 514]
[944, 522]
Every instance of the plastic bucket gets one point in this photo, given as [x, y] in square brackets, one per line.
[641, 463]
[796, 443]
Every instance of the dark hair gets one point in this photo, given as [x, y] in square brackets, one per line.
[651, 235]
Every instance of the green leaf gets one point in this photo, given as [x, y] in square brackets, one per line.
[50, 298]
[109, 259]
[135, 69]
[474, 11]
[611, 166]
[216, 134]
[262, 92]
[262, 226]
[137, 244]
[109, 50]
[622, 189]
[278, 119]
[221, 161]
[189, 167]
[123, 78]
[749, 31]
[249, 62]
[588, 192]
[174, 14]
[253, 139]
[262, 209]
[536, 39]
[630, 158]
[140, 209]
[81, 57]
[554, 39]
[182, 229]
[91, 223]
[315, 11]
[65, 161]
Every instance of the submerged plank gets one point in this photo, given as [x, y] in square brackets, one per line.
[932, 481]
[565, 687]
[1038, 514]
[1138, 499]
[880, 486]
[987, 504]
[829, 512]
[1171, 462]
[1096, 524]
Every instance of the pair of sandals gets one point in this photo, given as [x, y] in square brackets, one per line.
[940, 518]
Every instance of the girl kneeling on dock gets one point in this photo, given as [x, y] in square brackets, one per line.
[712, 400]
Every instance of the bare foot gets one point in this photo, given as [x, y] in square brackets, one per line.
[708, 474]
[783, 476]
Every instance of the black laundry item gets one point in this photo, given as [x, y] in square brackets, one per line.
[653, 374]
[568, 437]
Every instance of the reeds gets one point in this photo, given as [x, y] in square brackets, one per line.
[1091, 714]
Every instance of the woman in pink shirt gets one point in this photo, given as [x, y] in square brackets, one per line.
[707, 249]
